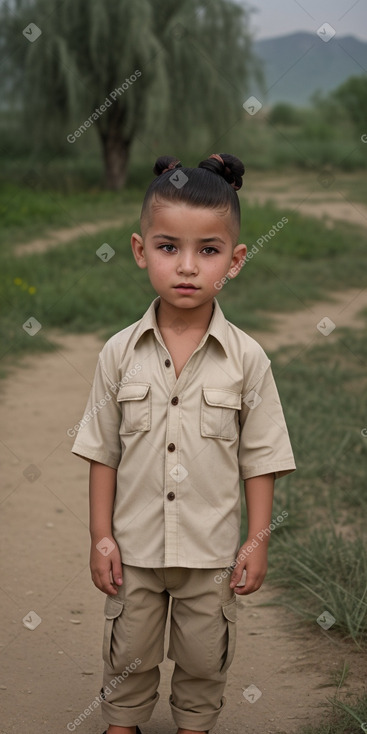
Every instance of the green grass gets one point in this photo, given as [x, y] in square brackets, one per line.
[323, 571]
[341, 718]
[265, 146]
[324, 390]
[27, 213]
[318, 555]
[72, 289]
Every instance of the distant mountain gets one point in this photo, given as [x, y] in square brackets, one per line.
[297, 65]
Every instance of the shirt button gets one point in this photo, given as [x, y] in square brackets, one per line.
[171, 447]
[171, 496]
[168, 363]
[174, 400]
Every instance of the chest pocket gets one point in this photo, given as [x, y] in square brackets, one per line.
[219, 417]
[136, 407]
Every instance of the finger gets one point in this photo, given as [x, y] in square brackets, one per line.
[251, 585]
[117, 572]
[104, 583]
[243, 590]
[238, 577]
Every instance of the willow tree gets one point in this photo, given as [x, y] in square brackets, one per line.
[126, 68]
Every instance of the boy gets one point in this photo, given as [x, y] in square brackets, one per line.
[183, 406]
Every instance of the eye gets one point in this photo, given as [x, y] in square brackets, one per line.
[213, 249]
[161, 247]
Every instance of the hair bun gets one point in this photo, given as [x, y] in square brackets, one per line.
[166, 163]
[227, 166]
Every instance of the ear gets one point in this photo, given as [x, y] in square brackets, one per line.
[137, 246]
[237, 262]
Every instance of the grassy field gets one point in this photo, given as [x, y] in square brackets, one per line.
[69, 287]
[319, 555]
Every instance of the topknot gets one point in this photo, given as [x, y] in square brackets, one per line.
[166, 163]
[227, 166]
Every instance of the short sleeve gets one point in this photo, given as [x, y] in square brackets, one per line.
[98, 436]
[264, 445]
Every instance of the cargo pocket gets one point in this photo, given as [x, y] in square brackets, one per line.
[112, 610]
[135, 400]
[230, 614]
[219, 413]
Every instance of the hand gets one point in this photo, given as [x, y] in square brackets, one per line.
[255, 563]
[106, 570]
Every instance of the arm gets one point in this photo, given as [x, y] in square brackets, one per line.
[106, 570]
[253, 555]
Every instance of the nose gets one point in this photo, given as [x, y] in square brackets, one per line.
[187, 264]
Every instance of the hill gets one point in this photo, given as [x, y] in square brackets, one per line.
[297, 65]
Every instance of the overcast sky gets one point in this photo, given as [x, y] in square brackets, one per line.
[274, 18]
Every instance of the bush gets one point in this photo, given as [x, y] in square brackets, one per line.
[284, 114]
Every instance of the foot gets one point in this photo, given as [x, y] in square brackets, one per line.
[122, 729]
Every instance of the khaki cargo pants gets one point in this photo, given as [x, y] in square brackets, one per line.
[202, 644]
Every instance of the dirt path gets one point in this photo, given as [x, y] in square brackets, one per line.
[312, 196]
[320, 320]
[53, 672]
[68, 234]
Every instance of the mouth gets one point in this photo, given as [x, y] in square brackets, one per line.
[186, 287]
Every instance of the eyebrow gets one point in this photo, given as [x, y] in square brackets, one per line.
[176, 239]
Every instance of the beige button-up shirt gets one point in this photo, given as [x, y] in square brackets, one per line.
[181, 446]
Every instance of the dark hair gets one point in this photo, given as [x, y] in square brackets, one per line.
[212, 184]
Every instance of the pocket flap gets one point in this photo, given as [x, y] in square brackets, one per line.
[135, 391]
[113, 608]
[230, 611]
[222, 398]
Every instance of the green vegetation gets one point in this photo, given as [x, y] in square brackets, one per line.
[342, 718]
[319, 555]
[27, 213]
[72, 288]
[323, 571]
[352, 97]
[321, 137]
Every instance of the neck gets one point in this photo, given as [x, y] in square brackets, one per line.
[174, 319]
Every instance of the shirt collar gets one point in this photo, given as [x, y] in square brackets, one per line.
[217, 327]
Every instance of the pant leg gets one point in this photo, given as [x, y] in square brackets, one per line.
[133, 646]
[202, 644]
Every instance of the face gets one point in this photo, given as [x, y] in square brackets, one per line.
[187, 251]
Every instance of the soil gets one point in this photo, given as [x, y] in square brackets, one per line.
[52, 673]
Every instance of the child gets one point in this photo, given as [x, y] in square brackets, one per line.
[183, 405]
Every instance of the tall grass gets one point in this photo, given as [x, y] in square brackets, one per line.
[322, 571]
[319, 555]
[341, 718]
